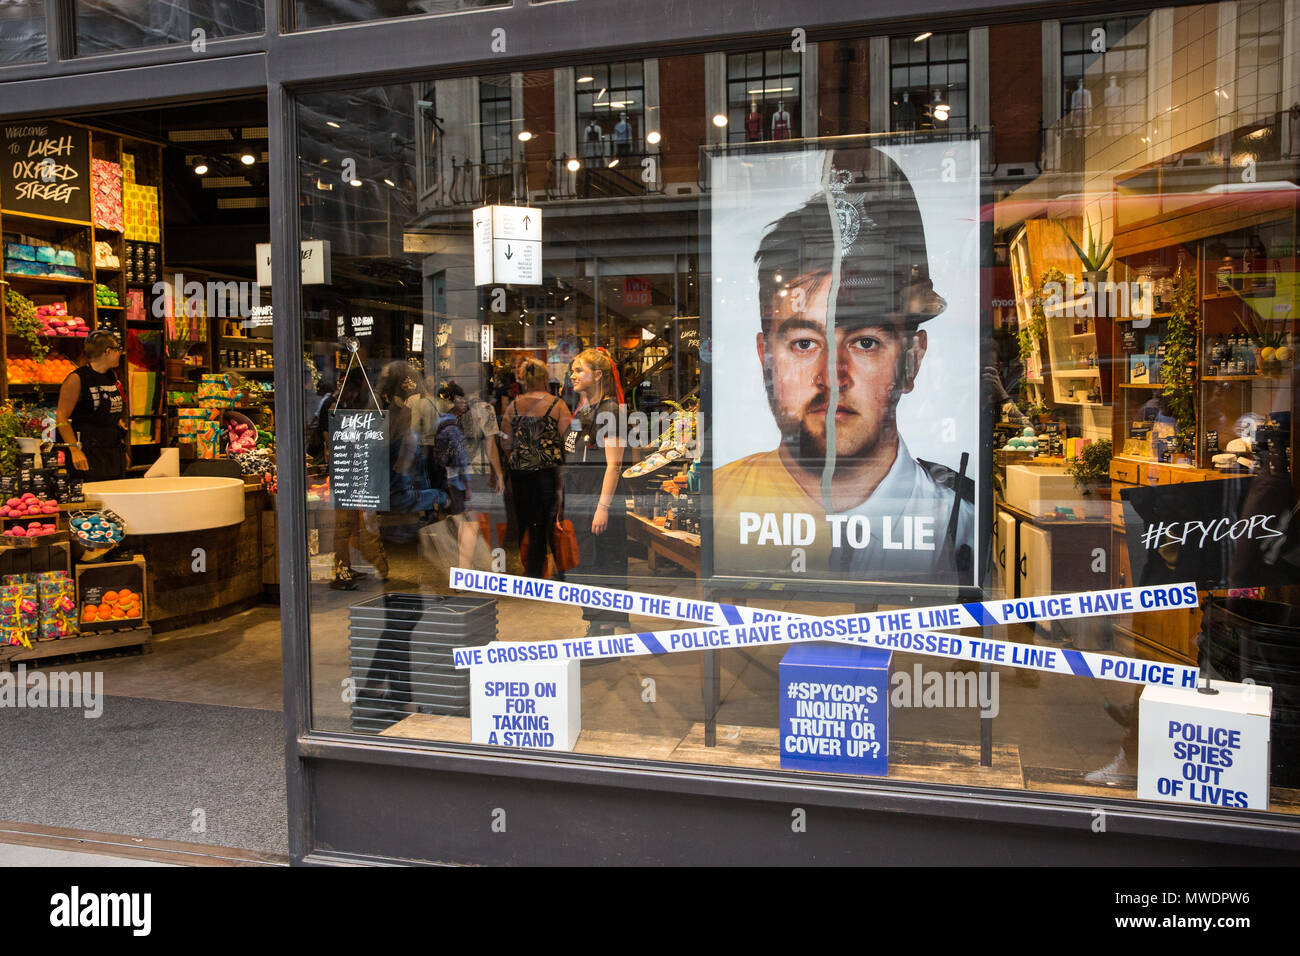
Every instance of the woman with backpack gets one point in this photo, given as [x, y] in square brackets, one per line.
[532, 426]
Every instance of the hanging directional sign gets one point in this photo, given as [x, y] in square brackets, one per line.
[507, 245]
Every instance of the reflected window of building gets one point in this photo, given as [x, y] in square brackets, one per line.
[324, 13]
[495, 139]
[104, 26]
[1103, 70]
[1259, 61]
[928, 82]
[22, 33]
[763, 95]
[610, 111]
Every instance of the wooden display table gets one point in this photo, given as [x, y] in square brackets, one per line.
[679, 547]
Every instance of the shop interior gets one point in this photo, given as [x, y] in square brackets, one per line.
[164, 581]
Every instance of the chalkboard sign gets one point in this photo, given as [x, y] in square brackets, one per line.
[45, 170]
[359, 459]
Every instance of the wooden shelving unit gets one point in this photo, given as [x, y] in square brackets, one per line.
[1248, 243]
[79, 234]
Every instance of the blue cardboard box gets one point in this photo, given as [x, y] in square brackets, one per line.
[835, 709]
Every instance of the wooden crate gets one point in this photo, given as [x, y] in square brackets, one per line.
[32, 558]
[95, 579]
[109, 640]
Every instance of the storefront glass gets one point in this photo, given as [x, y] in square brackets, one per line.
[22, 33]
[324, 13]
[993, 429]
[105, 26]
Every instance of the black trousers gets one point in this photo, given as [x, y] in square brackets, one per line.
[535, 500]
[106, 463]
[602, 558]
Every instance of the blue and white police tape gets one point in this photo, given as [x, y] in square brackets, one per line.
[746, 636]
[896, 630]
[633, 602]
[1054, 607]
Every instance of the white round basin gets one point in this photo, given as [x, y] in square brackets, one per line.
[171, 505]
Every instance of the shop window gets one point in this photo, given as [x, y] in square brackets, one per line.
[1165, 384]
[22, 33]
[324, 13]
[104, 26]
[764, 95]
[929, 87]
[1104, 73]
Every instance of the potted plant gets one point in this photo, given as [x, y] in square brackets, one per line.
[1091, 468]
[20, 432]
[1095, 259]
[184, 332]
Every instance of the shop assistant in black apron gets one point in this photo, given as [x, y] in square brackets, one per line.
[91, 409]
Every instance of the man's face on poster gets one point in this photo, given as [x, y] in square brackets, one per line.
[875, 362]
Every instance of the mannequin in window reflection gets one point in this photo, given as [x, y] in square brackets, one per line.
[780, 122]
[622, 136]
[593, 144]
[594, 494]
[753, 123]
[91, 412]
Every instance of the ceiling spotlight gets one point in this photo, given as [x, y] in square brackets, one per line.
[922, 36]
[573, 165]
[613, 162]
[355, 182]
[719, 120]
[388, 182]
[653, 137]
[248, 159]
[201, 168]
[332, 123]
[586, 79]
[525, 136]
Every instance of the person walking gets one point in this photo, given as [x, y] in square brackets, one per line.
[532, 426]
[594, 495]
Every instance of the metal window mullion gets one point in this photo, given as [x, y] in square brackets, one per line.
[291, 524]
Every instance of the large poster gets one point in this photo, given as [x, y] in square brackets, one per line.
[845, 387]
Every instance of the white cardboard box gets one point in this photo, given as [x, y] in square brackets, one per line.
[1205, 749]
[526, 705]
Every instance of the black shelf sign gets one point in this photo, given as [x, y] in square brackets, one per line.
[45, 170]
[359, 459]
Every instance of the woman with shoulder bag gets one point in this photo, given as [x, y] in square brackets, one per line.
[594, 495]
[531, 427]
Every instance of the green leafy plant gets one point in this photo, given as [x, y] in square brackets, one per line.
[1261, 332]
[1179, 366]
[16, 421]
[1095, 258]
[21, 312]
[1092, 464]
[1028, 335]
